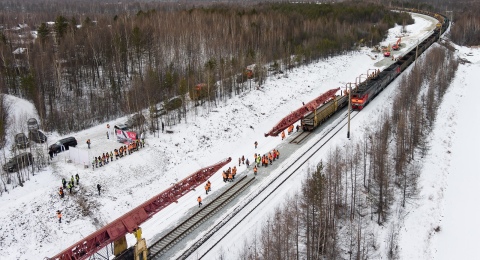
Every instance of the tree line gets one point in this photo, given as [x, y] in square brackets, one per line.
[358, 184]
[83, 70]
[463, 14]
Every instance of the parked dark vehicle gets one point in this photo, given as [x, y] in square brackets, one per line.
[121, 127]
[21, 141]
[65, 142]
[37, 136]
[18, 162]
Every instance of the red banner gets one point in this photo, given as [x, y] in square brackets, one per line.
[126, 136]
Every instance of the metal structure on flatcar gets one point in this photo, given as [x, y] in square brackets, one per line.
[301, 112]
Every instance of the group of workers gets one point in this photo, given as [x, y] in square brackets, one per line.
[265, 160]
[69, 185]
[229, 174]
[119, 153]
[290, 130]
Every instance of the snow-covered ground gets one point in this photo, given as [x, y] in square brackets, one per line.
[449, 179]
[30, 229]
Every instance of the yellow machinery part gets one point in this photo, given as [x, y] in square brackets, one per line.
[141, 250]
[120, 245]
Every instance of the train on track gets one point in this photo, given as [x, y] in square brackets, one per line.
[367, 90]
[314, 118]
[364, 92]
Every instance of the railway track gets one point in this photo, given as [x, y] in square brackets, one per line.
[187, 226]
[300, 137]
[303, 135]
[254, 200]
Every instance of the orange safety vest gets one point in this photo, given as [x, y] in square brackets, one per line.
[199, 199]
[59, 215]
[254, 169]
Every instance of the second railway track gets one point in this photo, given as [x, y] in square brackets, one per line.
[269, 188]
[187, 226]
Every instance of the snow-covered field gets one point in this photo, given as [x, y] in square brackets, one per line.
[29, 228]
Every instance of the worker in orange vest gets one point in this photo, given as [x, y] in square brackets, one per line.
[283, 135]
[59, 216]
[224, 175]
[199, 199]
[61, 193]
[206, 188]
[234, 172]
[255, 170]
[209, 186]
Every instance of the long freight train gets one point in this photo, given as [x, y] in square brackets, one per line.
[367, 90]
[370, 88]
